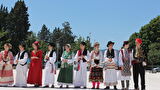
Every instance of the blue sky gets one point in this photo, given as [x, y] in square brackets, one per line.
[106, 20]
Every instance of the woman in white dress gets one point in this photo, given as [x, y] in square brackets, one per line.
[50, 69]
[111, 60]
[82, 57]
[125, 59]
[21, 67]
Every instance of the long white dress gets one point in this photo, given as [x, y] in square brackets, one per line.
[110, 70]
[50, 69]
[120, 76]
[21, 70]
[81, 74]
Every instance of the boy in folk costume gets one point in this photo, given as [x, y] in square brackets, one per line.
[50, 69]
[110, 57]
[21, 67]
[6, 61]
[82, 58]
[96, 72]
[65, 76]
[139, 64]
[125, 62]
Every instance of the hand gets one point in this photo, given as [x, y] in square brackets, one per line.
[16, 61]
[110, 60]
[47, 57]
[122, 68]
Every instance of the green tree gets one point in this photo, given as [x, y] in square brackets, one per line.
[44, 34]
[18, 24]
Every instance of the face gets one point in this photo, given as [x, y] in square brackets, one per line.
[21, 48]
[50, 47]
[34, 46]
[67, 48]
[82, 47]
[126, 46]
[6, 47]
[137, 44]
[96, 47]
[110, 46]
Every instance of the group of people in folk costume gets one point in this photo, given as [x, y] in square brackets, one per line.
[115, 64]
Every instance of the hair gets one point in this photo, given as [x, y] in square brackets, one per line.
[68, 45]
[9, 45]
[96, 44]
[125, 43]
[83, 43]
[23, 45]
[52, 44]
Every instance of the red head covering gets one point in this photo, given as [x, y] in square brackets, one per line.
[36, 43]
[138, 40]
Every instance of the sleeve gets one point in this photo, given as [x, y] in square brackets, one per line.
[120, 59]
[116, 57]
[0, 56]
[72, 59]
[87, 57]
[11, 58]
[40, 55]
[52, 59]
[131, 57]
[76, 57]
[24, 60]
[15, 59]
[105, 56]
[101, 57]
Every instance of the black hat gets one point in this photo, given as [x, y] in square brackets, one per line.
[110, 42]
[51, 44]
[83, 43]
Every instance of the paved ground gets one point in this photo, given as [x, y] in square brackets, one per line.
[152, 83]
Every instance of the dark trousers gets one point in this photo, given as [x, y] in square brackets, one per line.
[139, 69]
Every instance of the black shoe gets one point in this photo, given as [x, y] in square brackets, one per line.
[107, 87]
[46, 86]
[97, 88]
[115, 88]
[52, 86]
[67, 86]
[93, 88]
[36, 85]
[85, 87]
[61, 86]
[77, 87]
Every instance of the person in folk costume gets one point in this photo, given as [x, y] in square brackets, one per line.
[21, 67]
[139, 64]
[65, 76]
[82, 58]
[6, 62]
[35, 69]
[125, 62]
[111, 59]
[50, 69]
[96, 72]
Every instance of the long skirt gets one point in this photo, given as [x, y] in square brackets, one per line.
[49, 74]
[65, 76]
[21, 75]
[81, 75]
[110, 77]
[96, 74]
[6, 74]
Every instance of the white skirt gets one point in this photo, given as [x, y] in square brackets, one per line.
[110, 77]
[122, 78]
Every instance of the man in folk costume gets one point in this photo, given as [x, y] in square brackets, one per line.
[65, 76]
[139, 64]
[21, 67]
[125, 62]
[110, 56]
[50, 69]
[82, 58]
[96, 70]
[6, 70]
